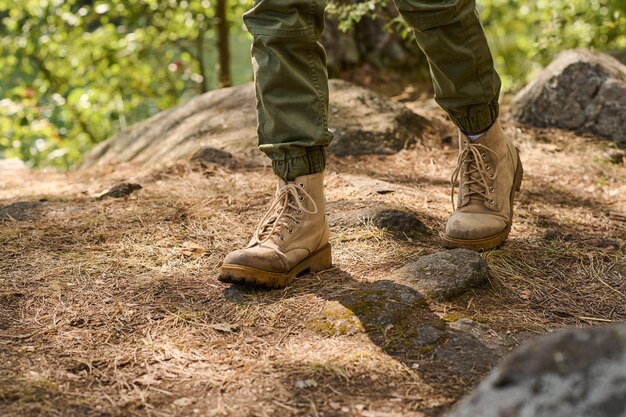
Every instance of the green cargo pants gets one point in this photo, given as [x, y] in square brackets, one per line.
[292, 81]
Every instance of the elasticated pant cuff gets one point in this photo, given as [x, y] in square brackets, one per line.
[478, 122]
[306, 161]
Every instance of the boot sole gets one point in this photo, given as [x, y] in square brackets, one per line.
[317, 261]
[496, 240]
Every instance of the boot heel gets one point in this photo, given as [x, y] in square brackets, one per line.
[322, 260]
[519, 173]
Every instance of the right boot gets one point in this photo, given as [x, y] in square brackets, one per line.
[291, 238]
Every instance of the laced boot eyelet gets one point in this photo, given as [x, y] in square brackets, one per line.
[300, 211]
[301, 198]
[491, 189]
[492, 202]
[488, 167]
[291, 231]
[484, 155]
[301, 185]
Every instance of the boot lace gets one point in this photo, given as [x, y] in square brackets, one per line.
[287, 206]
[478, 174]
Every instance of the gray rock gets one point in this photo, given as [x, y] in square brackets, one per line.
[580, 90]
[464, 355]
[395, 316]
[383, 303]
[445, 275]
[400, 223]
[210, 155]
[482, 332]
[123, 189]
[20, 211]
[225, 120]
[576, 373]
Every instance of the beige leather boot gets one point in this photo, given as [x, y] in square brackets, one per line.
[291, 238]
[489, 172]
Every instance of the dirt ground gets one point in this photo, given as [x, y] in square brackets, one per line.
[112, 308]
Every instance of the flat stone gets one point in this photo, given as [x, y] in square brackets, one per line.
[402, 224]
[395, 316]
[574, 373]
[445, 275]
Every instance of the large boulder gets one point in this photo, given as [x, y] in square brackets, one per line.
[580, 90]
[224, 122]
[575, 373]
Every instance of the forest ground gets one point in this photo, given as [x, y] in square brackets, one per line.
[112, 308]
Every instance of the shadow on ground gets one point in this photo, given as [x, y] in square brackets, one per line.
[398, 320]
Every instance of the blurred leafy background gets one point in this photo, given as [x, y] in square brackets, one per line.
[75, 72]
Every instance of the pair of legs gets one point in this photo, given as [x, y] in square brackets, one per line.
[292, 102]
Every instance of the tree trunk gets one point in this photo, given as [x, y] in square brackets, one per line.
[223, 46]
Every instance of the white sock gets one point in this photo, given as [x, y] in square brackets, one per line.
[476, 136]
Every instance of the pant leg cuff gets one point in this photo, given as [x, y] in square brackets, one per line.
[293, 164]
[479, 121]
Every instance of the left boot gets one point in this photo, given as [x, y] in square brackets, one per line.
[489, 172]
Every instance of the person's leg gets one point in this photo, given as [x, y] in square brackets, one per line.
[292, 102]
[467, 87]
[452, 38]
[291, 84]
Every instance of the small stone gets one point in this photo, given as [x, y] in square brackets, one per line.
[120, 190]
[306, 383]
[210, 155]
[445, 275]
[401, 224]
[334, 405]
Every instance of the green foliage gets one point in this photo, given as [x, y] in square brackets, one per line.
[75, 72]
[524, 34]
[348, 14]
